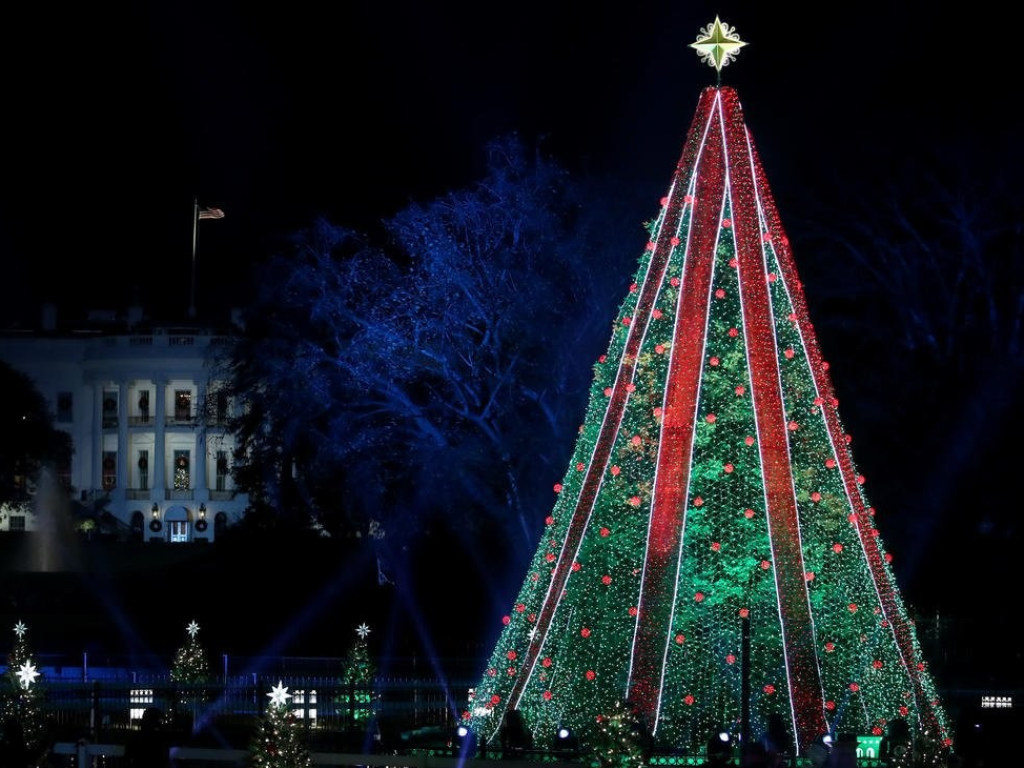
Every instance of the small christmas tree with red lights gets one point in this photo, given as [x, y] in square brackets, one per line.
[711, 557]
[278, 740]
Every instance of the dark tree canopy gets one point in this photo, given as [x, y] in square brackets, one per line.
[918, 287]
[433, 383]
[31, 443]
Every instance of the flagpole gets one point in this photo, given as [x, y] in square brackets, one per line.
[195, 235]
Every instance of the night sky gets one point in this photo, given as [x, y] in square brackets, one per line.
[118, 115]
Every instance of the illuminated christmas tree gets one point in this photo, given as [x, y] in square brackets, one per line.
[278, 740]
[711, 558]
[22, 697]
[359, 676]
[191, 669]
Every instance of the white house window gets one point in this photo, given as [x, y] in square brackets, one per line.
[65, 401]
[144, 406]
[109, 470]
[182, 405]
[182, 477]
[177, 530]
[143, 464]
[110, 408]
[221, 480]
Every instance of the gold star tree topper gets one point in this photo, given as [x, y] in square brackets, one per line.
[718, 44]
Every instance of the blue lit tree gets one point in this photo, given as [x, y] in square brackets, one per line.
[447, 346]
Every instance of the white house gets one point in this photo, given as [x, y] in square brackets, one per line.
[147, 418]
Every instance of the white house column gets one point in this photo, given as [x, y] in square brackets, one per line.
[122, 442]
[96, 470]
[199, 484]
[159, 424]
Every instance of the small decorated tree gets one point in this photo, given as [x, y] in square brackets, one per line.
[620, 740]
[358, 678]
[21, 700]
[191, 670]
[278, 739]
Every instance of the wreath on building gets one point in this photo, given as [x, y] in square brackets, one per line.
[200, 525]
[155, 525]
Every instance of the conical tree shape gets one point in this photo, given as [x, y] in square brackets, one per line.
[712, 505]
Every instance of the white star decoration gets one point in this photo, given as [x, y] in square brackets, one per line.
[20, 629]
[27, 674]
[362, 630]
[279, 695]
[193, 630]
[718, 44]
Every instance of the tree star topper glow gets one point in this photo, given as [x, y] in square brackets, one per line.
[27, 674]
[279, 695]
[362, 630]
[192, 629]
[718, 44]
[20, 628]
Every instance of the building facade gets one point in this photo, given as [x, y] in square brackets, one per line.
[148, 419]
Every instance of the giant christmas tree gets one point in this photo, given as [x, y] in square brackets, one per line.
[711, 559]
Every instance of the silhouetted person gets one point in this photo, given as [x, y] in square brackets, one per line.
[13, 752]
[149, 748]
[776, 741]
[514, 736]
[896, 744]
[753, 755]
[819, 751]
[719, 749]
[844, 752]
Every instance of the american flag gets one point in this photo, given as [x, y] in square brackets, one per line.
[211, 213]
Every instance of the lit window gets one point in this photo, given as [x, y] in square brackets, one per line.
[177, 531]
[182, 405]
[182, 479]
[140, 699]
[109, 470]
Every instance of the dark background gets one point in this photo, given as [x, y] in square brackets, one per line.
[119, 116]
